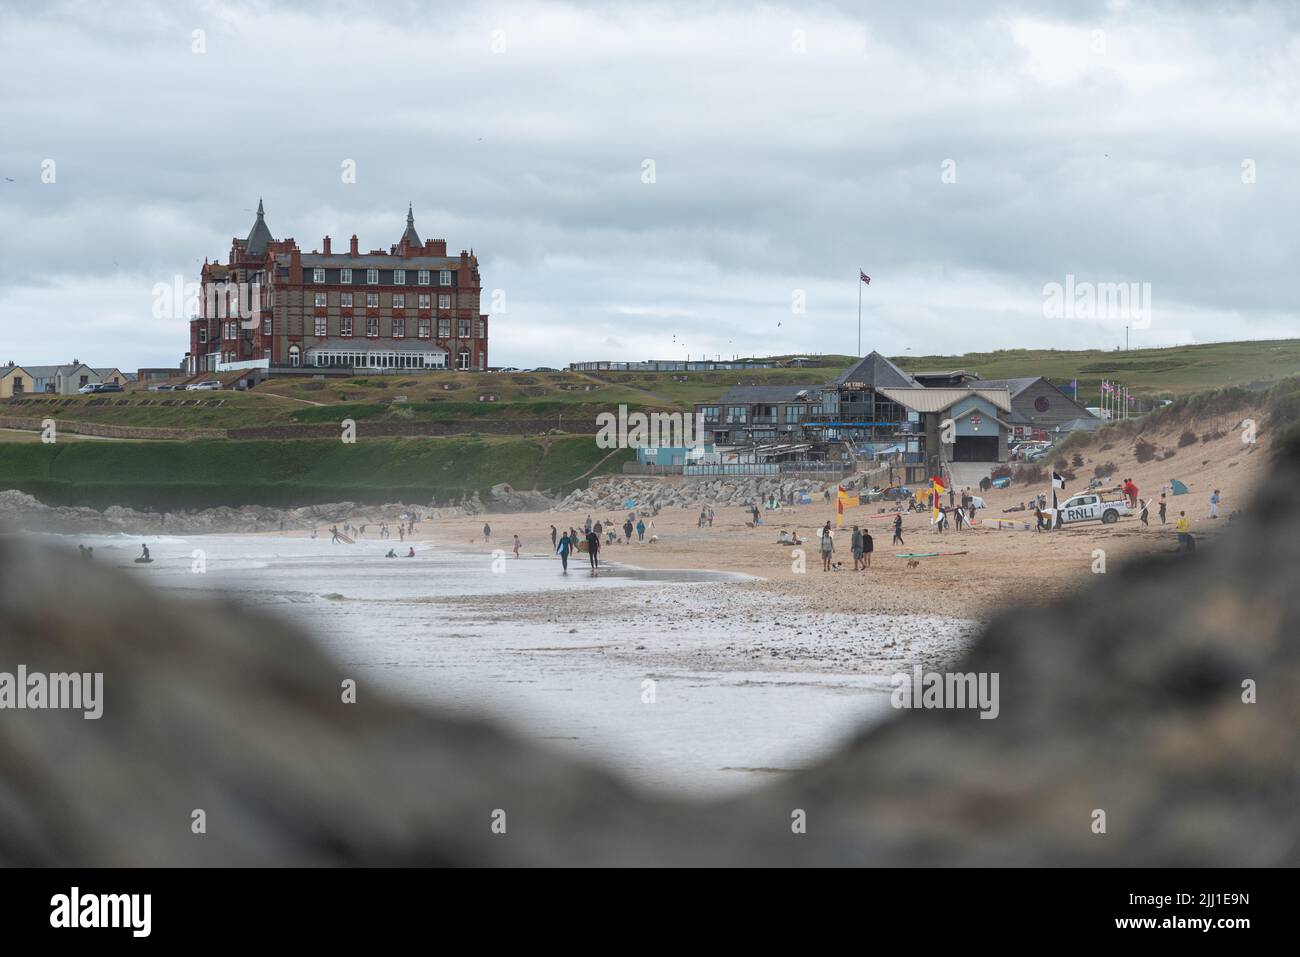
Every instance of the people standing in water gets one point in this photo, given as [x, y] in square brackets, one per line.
[898, 530]
[562, 549]
[593, 550]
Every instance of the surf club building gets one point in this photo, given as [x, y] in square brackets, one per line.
[876, 410]
[273, 306]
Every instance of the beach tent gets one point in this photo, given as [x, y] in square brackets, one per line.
[1004, 482]
[805, 498]
[1178, 487]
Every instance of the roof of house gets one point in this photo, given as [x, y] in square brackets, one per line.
[937, 400]
[5, 370]
[410, 235]
[766, 393]
[946, 374]
[372, 261]
[877, 372]
[259, 235]
[49, 372]
[1014, 386]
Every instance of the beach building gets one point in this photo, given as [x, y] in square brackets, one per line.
[65, 379]
[1037, 404]
[15, 380]
[410, 307]
[877, 411]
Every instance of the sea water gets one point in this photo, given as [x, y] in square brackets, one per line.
[592, 679]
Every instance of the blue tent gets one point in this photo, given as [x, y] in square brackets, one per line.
[1178, 487]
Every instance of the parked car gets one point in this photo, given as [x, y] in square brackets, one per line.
[161, 387]
[1093, 508]
[111, 387]
[204, 386]
[88, 388]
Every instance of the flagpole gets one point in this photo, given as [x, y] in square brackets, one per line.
[859, 310]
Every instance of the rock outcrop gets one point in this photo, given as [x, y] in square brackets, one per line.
[1132, 698]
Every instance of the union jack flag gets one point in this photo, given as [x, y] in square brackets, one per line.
[865, 277]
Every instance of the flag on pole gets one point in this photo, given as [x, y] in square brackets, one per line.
[1058, 480]
[936, 490]
[1075, 386]
[865, 277]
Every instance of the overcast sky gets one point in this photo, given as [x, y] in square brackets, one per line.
[791, 146]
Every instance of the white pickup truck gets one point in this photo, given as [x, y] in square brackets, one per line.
[1091, 507]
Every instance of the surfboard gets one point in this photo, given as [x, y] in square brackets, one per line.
[144, 561]
[345, 539]
[929, 554]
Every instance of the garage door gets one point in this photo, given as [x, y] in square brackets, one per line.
[976, 448]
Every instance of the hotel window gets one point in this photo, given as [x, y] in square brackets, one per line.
[320, 300]
[399, 300]
[372, 277]
[295, 356]
[479, 326]
[203, 336]
[424, 328]
[345, 275]
[462, 360]
[399, 277]
[345, 326]
[444, 302]
[266, 327]
[462, 329]
[792, 413]
[372, 300]
[345, 300]
[399, 328]
[321, 328]
[424, 277]
[424, 300]
[372, 327]
[444, 328]
[444, 277]
[318, 275]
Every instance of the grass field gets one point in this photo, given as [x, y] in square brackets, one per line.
[450, 396]
[174, 475]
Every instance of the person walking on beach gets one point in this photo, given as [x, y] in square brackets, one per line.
[640, 530]
[1184, 529]
[710, 516]
[868, 546]
[627, 531]
[517, 544]
[598, 528]
[555, 537]
[401, 533]
[1214, 504]
[487, 532]
[898, 530]
[334, 534]
[1162, 508]
[856, 547]
[562, 549]
[1142, 515]
[586, 528]
[593, 550]
[827, 547]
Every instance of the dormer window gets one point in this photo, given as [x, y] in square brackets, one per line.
[318, 275]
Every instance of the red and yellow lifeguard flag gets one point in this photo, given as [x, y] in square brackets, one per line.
[936, 491]
[844, 499]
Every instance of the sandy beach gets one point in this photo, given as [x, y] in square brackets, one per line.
[1001, 568]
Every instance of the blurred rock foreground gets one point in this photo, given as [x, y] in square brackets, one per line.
[1125, 698]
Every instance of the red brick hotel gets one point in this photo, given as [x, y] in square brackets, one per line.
[412, 307]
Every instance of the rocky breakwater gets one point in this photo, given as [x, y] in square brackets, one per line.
[612, 492]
